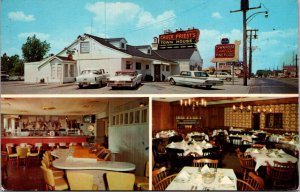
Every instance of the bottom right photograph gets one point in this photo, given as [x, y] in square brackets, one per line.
[225, 143]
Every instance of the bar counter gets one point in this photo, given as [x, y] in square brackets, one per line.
[16, 140]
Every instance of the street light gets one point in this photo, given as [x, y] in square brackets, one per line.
[255, 14]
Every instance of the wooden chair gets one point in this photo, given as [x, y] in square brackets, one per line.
[56, 173]
[118, 181]
[164, 183]
[247, 164]
[4, 159]
[53, 183]
[22, 153]
[282, 175]
[209, 162]
[142, 182]
[255, 181]
[81, 181]
[244, 186]
[158, 175]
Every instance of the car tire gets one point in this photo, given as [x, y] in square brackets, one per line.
[208, 86]
[100, 84]
[228, 79]
[172, 82]
[80, 86]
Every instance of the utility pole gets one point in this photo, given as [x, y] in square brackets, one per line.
[296, 63]
[250, 48]
[244, 9]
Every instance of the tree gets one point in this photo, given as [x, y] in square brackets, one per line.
[13, 65]
[34, 49]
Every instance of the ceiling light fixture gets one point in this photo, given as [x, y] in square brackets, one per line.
[48, 108]
[194, 103]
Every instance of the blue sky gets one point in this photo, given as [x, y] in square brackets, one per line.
[59, 22]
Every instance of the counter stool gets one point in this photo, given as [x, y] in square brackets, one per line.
[11, 156]
[51, 146]
[22, 154]
[62, 145]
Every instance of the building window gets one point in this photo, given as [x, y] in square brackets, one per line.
[147, 66]
[128, 65]
[122, 45]
[167, 68]
[138, 66]
[84, 47]
[137, 117]
[149, 51]
[66, 70]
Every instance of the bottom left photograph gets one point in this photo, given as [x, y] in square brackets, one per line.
[74, 143]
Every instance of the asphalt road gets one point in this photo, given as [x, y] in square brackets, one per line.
[254, 86]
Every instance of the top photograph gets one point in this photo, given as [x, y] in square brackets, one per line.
[149, 47]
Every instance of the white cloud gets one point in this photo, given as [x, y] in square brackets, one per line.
[163, 20]
[41, 36]
[20, 16]
[216, 15]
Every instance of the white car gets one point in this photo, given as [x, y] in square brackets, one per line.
[195, 78]
[125, 78]
[92, 77]
[223, 76]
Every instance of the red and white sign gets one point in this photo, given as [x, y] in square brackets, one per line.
[225, 51]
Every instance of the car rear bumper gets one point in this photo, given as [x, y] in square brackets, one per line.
[119, 84]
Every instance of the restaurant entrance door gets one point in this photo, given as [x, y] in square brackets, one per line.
[101, 130]
[255, 121]
[156, 72]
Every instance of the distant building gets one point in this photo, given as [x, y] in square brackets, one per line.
[289, 70]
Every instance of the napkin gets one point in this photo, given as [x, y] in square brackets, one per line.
[272, 154]
[204, 169]
[281, 151]
[226, 181]
[183, 176]
[197, 147]
[203, 141]
[264, 148]
[255, 151]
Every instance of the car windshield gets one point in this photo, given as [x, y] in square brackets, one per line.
[85, 72]
[124, 73]
[201, 74]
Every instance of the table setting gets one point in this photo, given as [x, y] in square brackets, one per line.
[204, 178]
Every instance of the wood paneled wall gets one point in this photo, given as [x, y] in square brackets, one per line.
[162, 116]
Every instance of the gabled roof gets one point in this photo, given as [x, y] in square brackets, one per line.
[65, 58]
[176, 54]
[130, 50]
[114, 39]
[142, 46]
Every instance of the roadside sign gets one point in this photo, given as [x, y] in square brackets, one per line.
[225, 51]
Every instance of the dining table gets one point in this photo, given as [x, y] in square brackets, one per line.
[262, 155]
[79, 159]
[195, 181]
[190, 147]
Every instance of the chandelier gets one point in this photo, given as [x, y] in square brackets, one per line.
[193, 103]
[241, 108]
[264, 109]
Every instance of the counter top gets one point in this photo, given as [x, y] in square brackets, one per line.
[50, 137]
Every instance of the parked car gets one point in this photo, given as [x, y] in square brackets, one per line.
[195, 78]
[222, 75]
[125, 78]
[4, 76]
[92, 77]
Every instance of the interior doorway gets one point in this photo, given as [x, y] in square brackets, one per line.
[255, 121]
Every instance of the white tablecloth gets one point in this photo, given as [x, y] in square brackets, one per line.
[195, 179]
[264, 155]
[195, 147]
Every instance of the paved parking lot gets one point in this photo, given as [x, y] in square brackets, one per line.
[19, 87]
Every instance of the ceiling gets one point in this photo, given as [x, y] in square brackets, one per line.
[53, 106]
[227, 100]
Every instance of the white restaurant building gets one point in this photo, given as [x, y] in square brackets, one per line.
[111, 54]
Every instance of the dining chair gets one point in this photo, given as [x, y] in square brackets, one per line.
[282, 175]
[11, 156]
[142, 182]
[247, 163]
[164, 183]
[243, 185]
[86, 181]
[56, 172]
[158, 175]
[118, 181]
[255, 181]
[198, 137]
[22, 153]
[204, 161]
[34, 155]
[53, 183]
